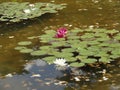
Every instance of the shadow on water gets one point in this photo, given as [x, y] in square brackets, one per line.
[6, 27]
[79, 13]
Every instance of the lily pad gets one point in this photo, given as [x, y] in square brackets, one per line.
[76, 64]
[88, 60]
[50, 59]
[84, 47]
[38, 53]
[26, 50]
[24, 43]
[16, 12]
[105, 60]
[19, 47]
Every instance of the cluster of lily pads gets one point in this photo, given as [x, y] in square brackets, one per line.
[79, 47]
[15, 12]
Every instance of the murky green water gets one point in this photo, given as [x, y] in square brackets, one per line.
[78, 13]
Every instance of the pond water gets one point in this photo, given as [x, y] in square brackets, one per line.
[78, 13]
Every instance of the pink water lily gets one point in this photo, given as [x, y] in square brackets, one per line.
[61, 32]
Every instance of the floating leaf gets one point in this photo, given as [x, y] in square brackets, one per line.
[68, 50]
[104, 44]
[112, 31]
[16, 12]
[74, 37]
[45, 47]
[26, 50]
[38, 53]
[70, 59]
[33, 37]
[116, 51]
[76, 64]
[114, 56]
[114, 45]
[58, 44]
[73, 42]
[63, 54]
[88, 60]
[103, 39]
[87, 35]
[117, 37]
[79, 47]
[50, 32]
[20, 47]
[93, 43]
[25, 43]
[50, 59]
[80, 57]
[104, 59]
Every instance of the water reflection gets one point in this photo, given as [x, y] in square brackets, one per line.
[40, 75]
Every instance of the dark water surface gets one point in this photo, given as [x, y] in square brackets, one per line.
[78, 13]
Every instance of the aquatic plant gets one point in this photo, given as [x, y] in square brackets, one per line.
[15, 12]
[78, 48]
[60, 62]
[61, 33]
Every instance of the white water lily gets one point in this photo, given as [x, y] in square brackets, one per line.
[27, 11]
[31, 5]
[60, 62]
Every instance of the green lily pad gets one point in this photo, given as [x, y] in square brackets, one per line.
[19, 47]
[26, 50]
[59, 44]
[24, 43]
[74, 37]
[112, 31]
[63, 54]
[67, 50]
[117, 37]
[87, 35]
[116, 51]
[79, 47]
[45, 48]
[103, 39]
[93, 43]
[88, 60]
[70, 59]
[114, 45]
[38, 53]
[104, 44]
[73, 41]
[76, 64]
[114, 56]
[50, 59]
[105, 60]
[16, 12]
[32, 37]
[80, 57]
[50, 32]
